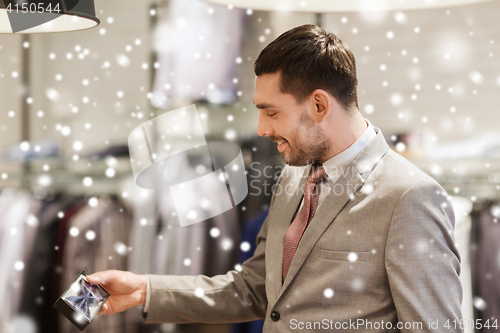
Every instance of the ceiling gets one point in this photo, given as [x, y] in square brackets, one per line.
[323, 6]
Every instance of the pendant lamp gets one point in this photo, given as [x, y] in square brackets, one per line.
[44, 16]
[325, 6]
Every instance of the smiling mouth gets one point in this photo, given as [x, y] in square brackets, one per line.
[281, 145]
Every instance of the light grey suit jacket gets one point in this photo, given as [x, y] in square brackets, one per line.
[378, 253]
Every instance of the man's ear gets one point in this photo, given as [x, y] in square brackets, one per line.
[320, 103]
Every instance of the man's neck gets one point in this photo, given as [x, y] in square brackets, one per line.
[348, 128]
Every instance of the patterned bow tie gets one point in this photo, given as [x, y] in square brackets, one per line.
[84, 300]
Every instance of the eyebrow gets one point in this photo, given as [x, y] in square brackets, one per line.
[263, 105]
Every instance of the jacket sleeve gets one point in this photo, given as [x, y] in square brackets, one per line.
[423, 263]
[236, 296]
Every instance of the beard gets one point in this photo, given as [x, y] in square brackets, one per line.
[307, 144]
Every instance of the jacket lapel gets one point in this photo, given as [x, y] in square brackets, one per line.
[344, 188]
[283, 212]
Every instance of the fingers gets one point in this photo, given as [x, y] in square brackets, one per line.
[101, 277]
[104, 309]
[95, 278]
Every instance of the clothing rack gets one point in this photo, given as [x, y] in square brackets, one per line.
[478, 179]
[476, 188]
[61, 178]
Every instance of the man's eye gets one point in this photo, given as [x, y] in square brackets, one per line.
[271, 114]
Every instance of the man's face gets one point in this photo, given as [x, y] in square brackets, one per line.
[300, 140]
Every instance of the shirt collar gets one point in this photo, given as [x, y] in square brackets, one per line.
[348, 155]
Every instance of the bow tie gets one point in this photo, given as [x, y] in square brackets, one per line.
[83, 301]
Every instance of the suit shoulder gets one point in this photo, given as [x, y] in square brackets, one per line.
[402, 175]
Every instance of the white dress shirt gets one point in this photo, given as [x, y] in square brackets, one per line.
[334, 168]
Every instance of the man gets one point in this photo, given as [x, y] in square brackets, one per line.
[357, 238]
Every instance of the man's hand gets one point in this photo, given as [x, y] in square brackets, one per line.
[126, 289]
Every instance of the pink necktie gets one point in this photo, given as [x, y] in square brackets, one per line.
[305, 215]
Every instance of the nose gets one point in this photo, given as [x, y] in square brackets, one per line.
[264, 127]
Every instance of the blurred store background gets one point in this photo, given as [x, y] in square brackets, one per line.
[428, 78]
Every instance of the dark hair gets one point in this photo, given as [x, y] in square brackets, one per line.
[310, 58]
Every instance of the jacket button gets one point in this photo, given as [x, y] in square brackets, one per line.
[275, 315]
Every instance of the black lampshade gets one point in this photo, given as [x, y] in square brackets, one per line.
[44, 16]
